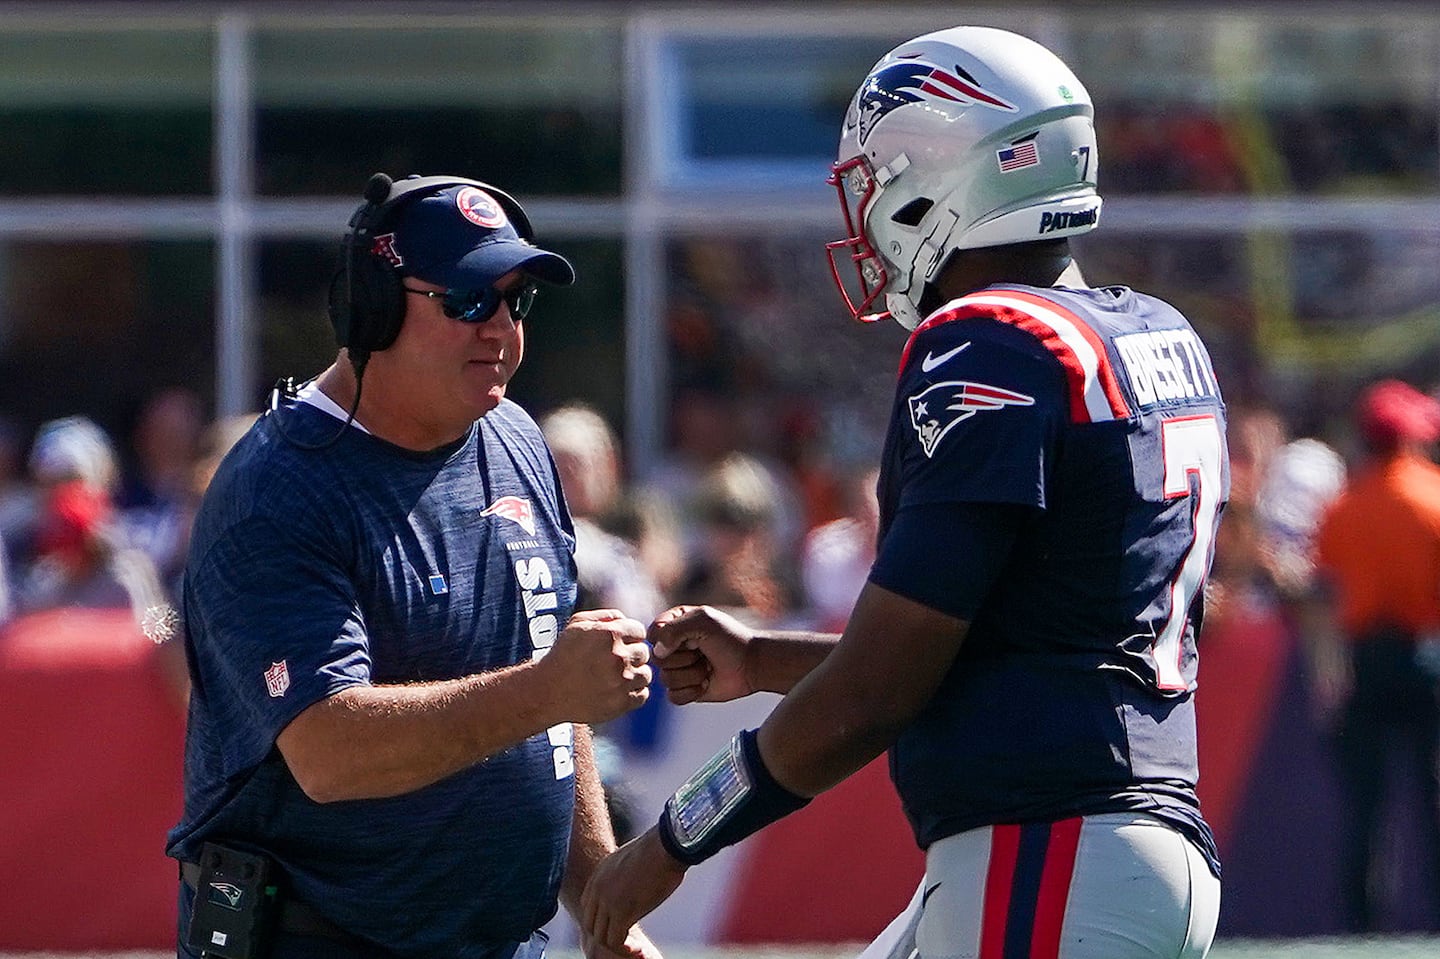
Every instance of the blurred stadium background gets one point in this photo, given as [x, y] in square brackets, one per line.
[175, 178]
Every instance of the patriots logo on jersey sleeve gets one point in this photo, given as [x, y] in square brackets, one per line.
[913, 81]
[935, 411]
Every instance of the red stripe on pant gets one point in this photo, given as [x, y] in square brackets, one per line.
[1049, 899]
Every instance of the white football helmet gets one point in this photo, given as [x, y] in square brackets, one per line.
[961, 138]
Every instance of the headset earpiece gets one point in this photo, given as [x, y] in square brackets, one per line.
[367, 296]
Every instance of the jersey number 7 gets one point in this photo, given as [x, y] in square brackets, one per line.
[1194, 458]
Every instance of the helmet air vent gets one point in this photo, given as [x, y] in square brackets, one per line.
[913, 212]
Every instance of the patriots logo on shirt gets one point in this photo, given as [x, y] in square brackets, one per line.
[935, 411]
[515, 509]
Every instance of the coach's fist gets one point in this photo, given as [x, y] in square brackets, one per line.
[598, 666]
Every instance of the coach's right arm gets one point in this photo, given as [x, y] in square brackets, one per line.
[373, 741]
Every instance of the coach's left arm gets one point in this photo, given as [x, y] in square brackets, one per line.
[591, 839]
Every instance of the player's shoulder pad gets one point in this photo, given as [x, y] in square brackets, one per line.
[1032, 323]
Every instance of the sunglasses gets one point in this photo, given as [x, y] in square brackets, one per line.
[477, 306]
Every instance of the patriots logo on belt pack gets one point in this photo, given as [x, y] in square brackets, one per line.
[226, 894]
[515, 509]
[911, 81]
[935, 411]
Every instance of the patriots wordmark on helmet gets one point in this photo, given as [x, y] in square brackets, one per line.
[1050, 222]
[936, 410]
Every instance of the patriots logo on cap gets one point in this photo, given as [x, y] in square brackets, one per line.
[913, 81]
[515, 509]
[480, 208]
[935, 411]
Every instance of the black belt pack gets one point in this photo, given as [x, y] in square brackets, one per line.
[235, 903]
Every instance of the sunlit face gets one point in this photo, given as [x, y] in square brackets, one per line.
[447, 372]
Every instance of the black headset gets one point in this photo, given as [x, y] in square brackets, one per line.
[367, 296]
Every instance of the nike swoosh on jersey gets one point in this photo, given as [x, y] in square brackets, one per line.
[931, 361]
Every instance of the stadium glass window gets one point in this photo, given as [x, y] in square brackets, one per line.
[93, 326]
[92, 107]
[754, 110]
[532, 105]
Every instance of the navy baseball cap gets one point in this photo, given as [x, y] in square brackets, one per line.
[462, 239]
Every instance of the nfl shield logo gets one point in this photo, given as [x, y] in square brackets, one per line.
[277, 679]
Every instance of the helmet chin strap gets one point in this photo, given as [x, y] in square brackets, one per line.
[903, 310]
[929, 259]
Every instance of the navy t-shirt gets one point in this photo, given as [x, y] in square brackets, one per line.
[1080, 434]
[314, 571]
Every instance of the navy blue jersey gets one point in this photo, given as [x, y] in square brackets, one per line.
[364, 563]
[1091, 423]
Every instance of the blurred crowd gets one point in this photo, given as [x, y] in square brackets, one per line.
[88, 522]
[781, 537]
[88, 519]
[780, 534]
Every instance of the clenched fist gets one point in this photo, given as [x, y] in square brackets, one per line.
[701, 652]
[598, 666]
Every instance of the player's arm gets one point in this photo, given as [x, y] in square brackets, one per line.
[838, 717]
[371, 741]
[901, 640]
[706, 655]
[853, 705]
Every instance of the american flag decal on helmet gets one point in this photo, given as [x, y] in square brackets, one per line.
[515, 509]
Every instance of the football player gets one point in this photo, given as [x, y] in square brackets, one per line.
[1051, 482]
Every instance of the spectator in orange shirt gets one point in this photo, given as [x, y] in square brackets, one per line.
[1376, 674]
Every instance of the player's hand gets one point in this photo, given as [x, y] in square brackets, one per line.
[702, 654]
[637, 946]
[627, 886]
[598, 666]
